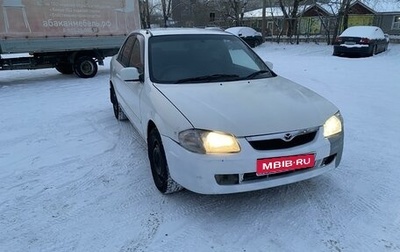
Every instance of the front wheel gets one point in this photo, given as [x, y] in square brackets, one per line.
[85, 67]
[158, 163]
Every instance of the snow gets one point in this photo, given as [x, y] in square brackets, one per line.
[75, 179]
[388, 6]
[243, 31]
[370, 32]
[379, 6]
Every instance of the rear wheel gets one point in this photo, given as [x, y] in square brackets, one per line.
[158, 163]
[374, 50]
[118, 112]
[85, 67]
[65, 68]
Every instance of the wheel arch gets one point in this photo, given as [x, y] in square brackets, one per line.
[88, 53]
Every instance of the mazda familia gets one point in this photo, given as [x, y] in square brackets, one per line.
[215, 116]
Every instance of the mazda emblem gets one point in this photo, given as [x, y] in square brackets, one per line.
[288, 137]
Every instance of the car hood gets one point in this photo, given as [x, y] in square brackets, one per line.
[246, 108]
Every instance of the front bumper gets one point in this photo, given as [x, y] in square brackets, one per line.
[232, 173]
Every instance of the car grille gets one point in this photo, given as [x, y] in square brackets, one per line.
[280, 142]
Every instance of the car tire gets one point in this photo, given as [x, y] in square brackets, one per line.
[85, 67]
[374, 50]
[256, 43]
[65, 68]
[118, 112]
[158, 163]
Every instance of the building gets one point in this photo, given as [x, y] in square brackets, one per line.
[319, 19]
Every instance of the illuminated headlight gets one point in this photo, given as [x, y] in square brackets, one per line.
[333, 125]
[203, 141]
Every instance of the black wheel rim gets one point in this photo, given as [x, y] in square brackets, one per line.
[157, 159]
[158, 166]
[87, 68]
[158, 163]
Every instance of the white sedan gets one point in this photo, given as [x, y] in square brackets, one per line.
[216, 118]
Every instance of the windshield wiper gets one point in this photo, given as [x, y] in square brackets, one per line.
[255, 74]
[209, 78]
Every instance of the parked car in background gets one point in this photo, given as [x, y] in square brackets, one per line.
[361, 40]
[252, 37]
[216, 118]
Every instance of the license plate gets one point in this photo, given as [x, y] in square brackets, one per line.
[273, 165]
[350, 43]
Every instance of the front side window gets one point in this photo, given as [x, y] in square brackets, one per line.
[125, 53]
[131, 53]
[396, 23]
[136, 57]
[203, 58]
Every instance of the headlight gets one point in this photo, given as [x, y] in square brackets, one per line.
[203, 141]
[333, 125]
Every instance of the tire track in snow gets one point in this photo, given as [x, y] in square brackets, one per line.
[61, 199]
[149, 228]
[329, 223]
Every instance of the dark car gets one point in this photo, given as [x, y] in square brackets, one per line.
[361, 40]
[252, 37]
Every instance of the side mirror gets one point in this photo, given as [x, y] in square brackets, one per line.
[129, 74]
[269, 64]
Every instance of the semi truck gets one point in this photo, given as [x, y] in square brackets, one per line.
[72, 36]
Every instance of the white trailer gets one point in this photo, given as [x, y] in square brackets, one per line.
[72, 36]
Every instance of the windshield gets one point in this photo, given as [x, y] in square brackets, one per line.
[203, 58]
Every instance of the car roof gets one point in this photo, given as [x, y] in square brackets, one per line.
[242, 31]
[370, 32]
[180, 31]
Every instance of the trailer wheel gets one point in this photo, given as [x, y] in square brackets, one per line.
[85, 67]
[65, 68]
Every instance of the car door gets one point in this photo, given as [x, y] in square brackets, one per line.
[128, 92]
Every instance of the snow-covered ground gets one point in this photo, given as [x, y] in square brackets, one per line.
[72, 178]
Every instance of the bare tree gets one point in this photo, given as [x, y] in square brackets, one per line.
[290, 13]
[164, 12]
[342, 16]
[234, 10]
[325, 22]
[144, 8]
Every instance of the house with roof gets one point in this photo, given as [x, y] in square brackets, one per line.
[314, 20]
[388, 16]
[361, 14]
